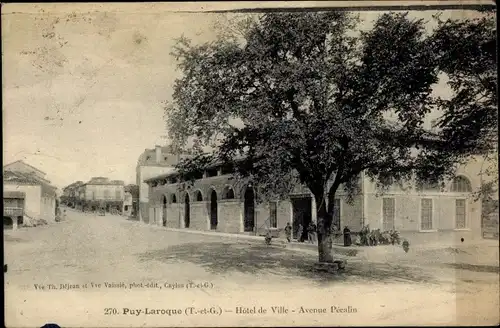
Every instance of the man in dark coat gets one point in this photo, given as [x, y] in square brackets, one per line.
[288, 232]
[347, 236]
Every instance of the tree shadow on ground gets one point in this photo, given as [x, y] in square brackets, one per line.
[474, 267]
[220, 258]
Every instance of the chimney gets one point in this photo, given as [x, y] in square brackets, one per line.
[158, 154]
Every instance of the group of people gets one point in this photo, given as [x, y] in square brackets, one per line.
[311, 233]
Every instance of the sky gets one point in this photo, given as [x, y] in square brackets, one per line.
[84, 87]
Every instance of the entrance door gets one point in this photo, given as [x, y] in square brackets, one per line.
[7, 222]
[187, 212]
[213, 211]
[164, 211]
[302, 214]
[249, 210]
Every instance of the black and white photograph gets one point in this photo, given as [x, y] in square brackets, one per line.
[263, 164]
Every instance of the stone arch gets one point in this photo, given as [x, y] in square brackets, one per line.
[209, 192]
[173, 199]
[242, 190]
[461, 184]
[228, 192]
[198, 196]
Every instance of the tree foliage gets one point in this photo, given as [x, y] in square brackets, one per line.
[308, 97]
[466, 52]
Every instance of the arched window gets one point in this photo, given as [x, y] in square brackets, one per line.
[198, 196]
[228, 193]
[461, 184]
[174, 199]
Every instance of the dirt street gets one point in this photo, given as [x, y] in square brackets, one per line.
[109, 271]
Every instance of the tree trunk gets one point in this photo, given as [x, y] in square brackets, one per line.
[324, 232]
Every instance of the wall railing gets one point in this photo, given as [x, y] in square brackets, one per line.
[13, 211]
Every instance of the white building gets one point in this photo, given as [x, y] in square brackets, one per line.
[28, 196]
[151, 163]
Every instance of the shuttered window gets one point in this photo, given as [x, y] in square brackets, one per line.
[388, 213]
[460, 214]
[273, 214]
[426, 214]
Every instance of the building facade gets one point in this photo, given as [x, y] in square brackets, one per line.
[96, 193]
[423, 214]
[28, 196]
[151, 163]
[71, 194]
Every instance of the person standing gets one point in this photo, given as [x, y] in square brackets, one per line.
[335, 233]
[314, 232]
[310, 233]
[347, 236]
[300, 231]
[269, 237]
[288, 232]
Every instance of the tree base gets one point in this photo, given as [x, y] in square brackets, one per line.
[330, 267]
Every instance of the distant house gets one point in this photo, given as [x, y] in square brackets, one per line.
[70, 194]
[151, 163]
[28, 195]
[96, 193]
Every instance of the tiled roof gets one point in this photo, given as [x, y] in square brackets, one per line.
[11, 177]
[24, 163]
[104, 181]
[74, 185]
[18, 177]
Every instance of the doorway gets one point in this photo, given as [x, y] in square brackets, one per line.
[164, 211]
[249, 210]
[8, 223]
[187, 212]
[302, 215]
[213, 211]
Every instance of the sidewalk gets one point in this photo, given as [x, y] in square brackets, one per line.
[346, 251]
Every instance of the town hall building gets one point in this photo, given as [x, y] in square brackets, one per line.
[217, 202]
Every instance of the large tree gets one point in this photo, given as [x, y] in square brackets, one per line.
[310, 98]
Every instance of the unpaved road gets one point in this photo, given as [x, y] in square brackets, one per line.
[207, 274]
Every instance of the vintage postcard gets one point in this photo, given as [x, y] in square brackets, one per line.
[325, 163]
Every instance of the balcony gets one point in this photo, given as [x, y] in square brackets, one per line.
[13, 211]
